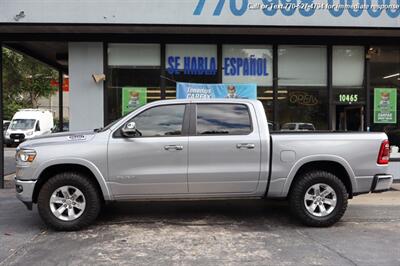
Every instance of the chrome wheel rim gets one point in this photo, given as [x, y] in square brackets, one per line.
[320, 200]
[67, 203]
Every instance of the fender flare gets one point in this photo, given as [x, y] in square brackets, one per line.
[85, 163]
[314, 158]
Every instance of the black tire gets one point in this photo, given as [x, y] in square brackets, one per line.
[85, 185]
[299, 189]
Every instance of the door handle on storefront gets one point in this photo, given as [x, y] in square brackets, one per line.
[245, 146]
[173, 147]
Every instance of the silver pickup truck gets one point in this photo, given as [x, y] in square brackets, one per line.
[196, 149]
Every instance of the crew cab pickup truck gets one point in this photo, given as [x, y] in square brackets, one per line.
[196, 149]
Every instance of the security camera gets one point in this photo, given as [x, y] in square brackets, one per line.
[372, 52]
[98, 77]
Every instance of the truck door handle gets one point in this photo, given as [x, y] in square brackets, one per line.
[245, 146]
[173, 147]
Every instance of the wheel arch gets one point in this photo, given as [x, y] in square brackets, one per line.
[336, 166]
[47, 172]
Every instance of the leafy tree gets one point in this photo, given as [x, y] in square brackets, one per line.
[37, 81]
[25, 80]
[12, 82]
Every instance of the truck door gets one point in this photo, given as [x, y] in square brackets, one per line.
[224, 149]
[154, 160]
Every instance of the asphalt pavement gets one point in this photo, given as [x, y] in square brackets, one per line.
[246, 232]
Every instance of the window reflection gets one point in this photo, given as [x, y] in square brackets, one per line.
[385, 73]
[225, 119]
[302, 79]
[132, 66]
[160, 121]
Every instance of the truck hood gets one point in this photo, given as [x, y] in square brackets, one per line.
[58, 138]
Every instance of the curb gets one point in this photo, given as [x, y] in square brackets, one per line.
[9, 181]
[9, 177]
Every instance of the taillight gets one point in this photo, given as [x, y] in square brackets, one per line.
[384, 153]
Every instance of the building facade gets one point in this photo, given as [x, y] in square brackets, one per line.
[334, 64]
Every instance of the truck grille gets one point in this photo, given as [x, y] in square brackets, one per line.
[17, 136]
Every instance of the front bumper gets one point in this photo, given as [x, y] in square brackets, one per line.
[381, 183]
[24, 190]
[14, 141]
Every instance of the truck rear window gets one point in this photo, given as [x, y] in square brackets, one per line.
[306, 127]
[289, 126]
[223, 119]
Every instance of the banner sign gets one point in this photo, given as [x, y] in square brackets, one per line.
[232, 66]
[208, 91]
[133, 98]
[317, 13]
[385, 106]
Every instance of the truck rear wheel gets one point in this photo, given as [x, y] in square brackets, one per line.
[318, 198]
[69, 201]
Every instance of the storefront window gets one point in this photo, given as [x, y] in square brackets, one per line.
[250, 64]
[348, 66]
[302, 85]
[193, 63]
[348, 87]
[385, 92]
[134, 77]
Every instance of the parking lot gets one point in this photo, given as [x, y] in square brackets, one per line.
[246, 232]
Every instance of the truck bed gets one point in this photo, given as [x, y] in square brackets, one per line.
[291, 150]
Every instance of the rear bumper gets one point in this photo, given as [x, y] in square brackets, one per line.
[24, 191]
[381, 183]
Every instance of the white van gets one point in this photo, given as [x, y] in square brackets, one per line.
[29, 123]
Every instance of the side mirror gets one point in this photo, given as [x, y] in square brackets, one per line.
[129, 129]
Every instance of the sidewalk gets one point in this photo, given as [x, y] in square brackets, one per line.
[391, 197]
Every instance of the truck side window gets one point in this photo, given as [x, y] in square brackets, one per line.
[223, 119]
[160, 121]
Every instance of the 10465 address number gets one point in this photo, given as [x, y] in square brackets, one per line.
[348, 98]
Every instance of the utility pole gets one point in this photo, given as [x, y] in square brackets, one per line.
[1, 118]
[60, 101]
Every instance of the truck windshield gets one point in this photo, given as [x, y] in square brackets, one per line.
[110, 125]
[22, 124]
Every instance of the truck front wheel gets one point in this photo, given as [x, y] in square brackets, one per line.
[69, 201]
[318, 198]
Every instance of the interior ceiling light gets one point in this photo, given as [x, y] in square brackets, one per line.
[392, 76]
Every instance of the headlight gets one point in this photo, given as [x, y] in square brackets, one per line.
[7, 134]
[25, 155]
[29, 133]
